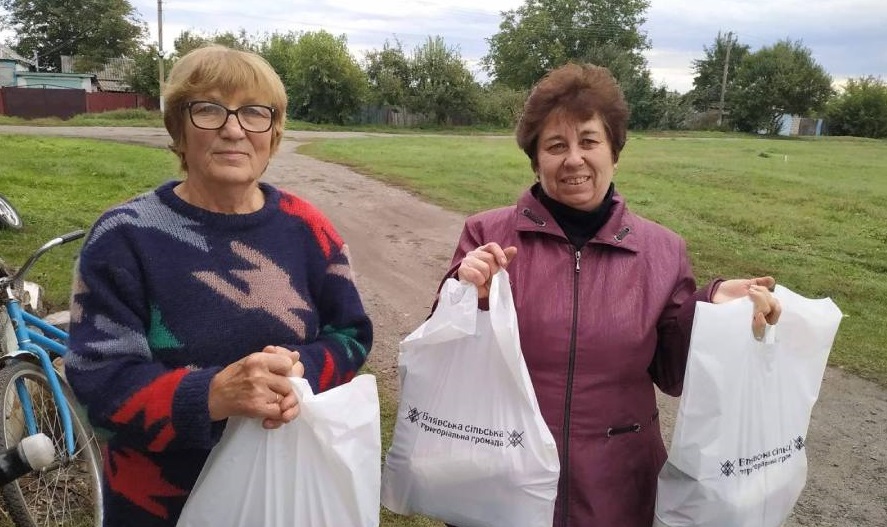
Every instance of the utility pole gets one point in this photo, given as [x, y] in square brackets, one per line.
[723, 80]
[160, 48]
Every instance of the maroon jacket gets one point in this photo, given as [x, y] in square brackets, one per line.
[598, 328]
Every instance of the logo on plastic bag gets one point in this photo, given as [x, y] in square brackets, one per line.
[477, 435]
[516, 439]
[727, 468]
[745, 466]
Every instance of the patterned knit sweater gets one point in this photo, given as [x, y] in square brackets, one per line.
[166, 295]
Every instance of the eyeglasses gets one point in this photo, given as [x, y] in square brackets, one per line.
[256, 118]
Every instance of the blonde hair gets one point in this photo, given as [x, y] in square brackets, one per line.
[219, 68]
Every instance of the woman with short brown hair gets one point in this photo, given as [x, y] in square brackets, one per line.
[605, 298]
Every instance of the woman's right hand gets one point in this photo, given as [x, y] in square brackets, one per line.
[257, 386]
[479, 265]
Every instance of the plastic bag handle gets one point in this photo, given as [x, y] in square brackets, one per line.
[503, 317]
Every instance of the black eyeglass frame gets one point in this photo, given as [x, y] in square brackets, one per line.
[230, 112]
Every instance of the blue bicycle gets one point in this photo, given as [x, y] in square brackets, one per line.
[35, 397]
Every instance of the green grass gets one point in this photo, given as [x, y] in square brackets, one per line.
[810, 212]
[398, 130]
[60, 185]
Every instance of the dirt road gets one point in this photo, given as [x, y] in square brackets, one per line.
[401, 246]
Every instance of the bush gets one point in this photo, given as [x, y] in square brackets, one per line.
[500, 106]
[861, 110]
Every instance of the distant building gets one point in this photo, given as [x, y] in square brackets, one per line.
[54, 80]
[112, 77]
[796, 125]
[11, 63]
[15, 72]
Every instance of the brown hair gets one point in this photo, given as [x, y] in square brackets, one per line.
[580, 92]
[227, 70]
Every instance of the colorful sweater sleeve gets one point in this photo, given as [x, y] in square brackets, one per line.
[346, 333]
[127, 395]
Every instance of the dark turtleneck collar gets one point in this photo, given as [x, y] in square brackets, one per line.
[578, 225]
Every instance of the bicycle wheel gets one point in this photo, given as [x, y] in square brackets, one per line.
[68, 492]
[9, 217]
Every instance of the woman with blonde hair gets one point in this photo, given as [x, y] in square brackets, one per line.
[194, 302]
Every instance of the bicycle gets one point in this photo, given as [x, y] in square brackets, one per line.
[37, 398]
[9, 217]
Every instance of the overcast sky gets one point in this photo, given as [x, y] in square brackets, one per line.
[847, 37]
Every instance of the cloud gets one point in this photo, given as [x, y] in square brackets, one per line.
[847, 37]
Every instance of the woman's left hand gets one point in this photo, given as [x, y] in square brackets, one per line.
[289, 405]
[767, 308]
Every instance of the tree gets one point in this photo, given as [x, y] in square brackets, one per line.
[324, 83]
[280, 51]
[861, 110]
[677, 111]
[95, 30]
[646, 102]
[544, 34]
[499, 105]
[710, 71]
[388, 73]
[189, 41]
[778, 80]
[143, 75]
[142, 78]
[440, 84]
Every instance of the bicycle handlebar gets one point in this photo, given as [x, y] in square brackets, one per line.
[71, 236]
[55, 242]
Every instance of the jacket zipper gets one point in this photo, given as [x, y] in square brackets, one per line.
[565, 466]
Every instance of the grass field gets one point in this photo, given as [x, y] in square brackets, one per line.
[810, 212]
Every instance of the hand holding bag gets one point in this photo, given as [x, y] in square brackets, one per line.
[320, 470]
[738, 456]
[470, 446]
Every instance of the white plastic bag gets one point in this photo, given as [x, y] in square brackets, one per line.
[320, 470]
[738, 456]
[470, 446]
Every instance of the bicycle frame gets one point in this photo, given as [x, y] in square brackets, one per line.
[30, 342]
